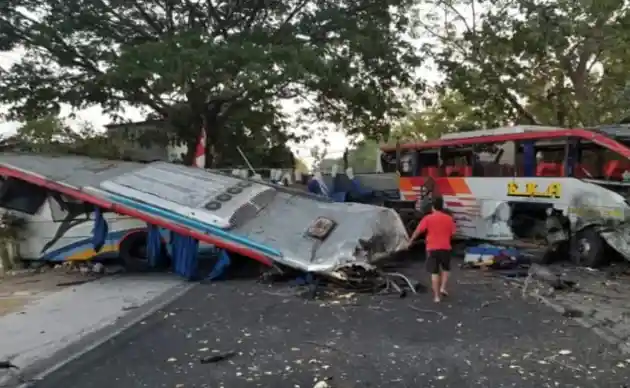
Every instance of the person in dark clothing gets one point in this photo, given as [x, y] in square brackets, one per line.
[439, 228]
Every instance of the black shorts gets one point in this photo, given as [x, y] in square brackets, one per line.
[439, 260]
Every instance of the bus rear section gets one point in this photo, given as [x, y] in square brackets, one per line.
[560, 189]
[55, 228]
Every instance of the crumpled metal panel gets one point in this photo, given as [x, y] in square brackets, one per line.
[609, 214]
[618, 238]
[363, 233]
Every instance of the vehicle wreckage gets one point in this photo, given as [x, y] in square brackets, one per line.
[560, 191]
[548, 192]
[277, 226]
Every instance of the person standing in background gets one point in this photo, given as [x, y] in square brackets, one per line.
[439, 228]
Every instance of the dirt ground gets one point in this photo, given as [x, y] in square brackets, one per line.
[19, 288]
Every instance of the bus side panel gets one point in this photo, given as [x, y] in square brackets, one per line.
[35, 234]
[77, 242]
[477, 201]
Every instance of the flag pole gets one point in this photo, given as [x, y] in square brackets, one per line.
[251, 168]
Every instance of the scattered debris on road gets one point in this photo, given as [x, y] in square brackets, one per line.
[321, 384]
[558, 281]
[355, 278]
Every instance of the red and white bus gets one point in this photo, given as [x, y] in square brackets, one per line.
[565, 187]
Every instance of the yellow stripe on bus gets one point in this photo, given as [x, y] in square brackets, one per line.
[90, 253]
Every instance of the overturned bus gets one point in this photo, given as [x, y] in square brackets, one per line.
[272, 224]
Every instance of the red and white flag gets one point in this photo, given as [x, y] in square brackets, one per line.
[200, 151]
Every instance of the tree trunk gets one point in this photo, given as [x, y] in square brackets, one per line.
[191, 146]
[213, 125]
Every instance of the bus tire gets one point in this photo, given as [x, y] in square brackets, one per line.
[588, 248]
[133, 253]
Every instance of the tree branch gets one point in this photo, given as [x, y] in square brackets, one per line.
[475, 57]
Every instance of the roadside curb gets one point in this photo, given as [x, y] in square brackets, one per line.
[606, 335]
[39, 370]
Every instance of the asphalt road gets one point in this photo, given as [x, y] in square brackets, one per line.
[486, 335]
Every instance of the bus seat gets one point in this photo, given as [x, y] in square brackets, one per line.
[433, 172]
[549, 169]
[459, 171]
[615, 169]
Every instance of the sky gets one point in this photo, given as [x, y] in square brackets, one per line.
[95, 116]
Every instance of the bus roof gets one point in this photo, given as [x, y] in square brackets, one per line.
[617, 131]
[515, 134]
[499, 131]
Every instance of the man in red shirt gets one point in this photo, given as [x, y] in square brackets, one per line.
[439, 228]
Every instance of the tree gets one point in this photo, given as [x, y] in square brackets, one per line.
[318, 154]
[362, 157]
[50, 135]
[259, 134]
[560, 63]
[230, 64]
[449, 113]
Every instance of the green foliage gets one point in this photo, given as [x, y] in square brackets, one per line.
[558, 63]
[50, 135]
[362, 157]
[12, 228]
[450, 113]
[221, 65]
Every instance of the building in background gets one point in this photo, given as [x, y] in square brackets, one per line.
[136, 138]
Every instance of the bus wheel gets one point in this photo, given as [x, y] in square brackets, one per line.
[411, 226]
[133, 253]
[588, 248]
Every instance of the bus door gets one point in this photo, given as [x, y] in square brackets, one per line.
[419, 178]
[407, 169]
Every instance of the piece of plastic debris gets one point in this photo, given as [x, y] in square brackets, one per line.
[564, 352]
[98, 268]
[217, 358]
